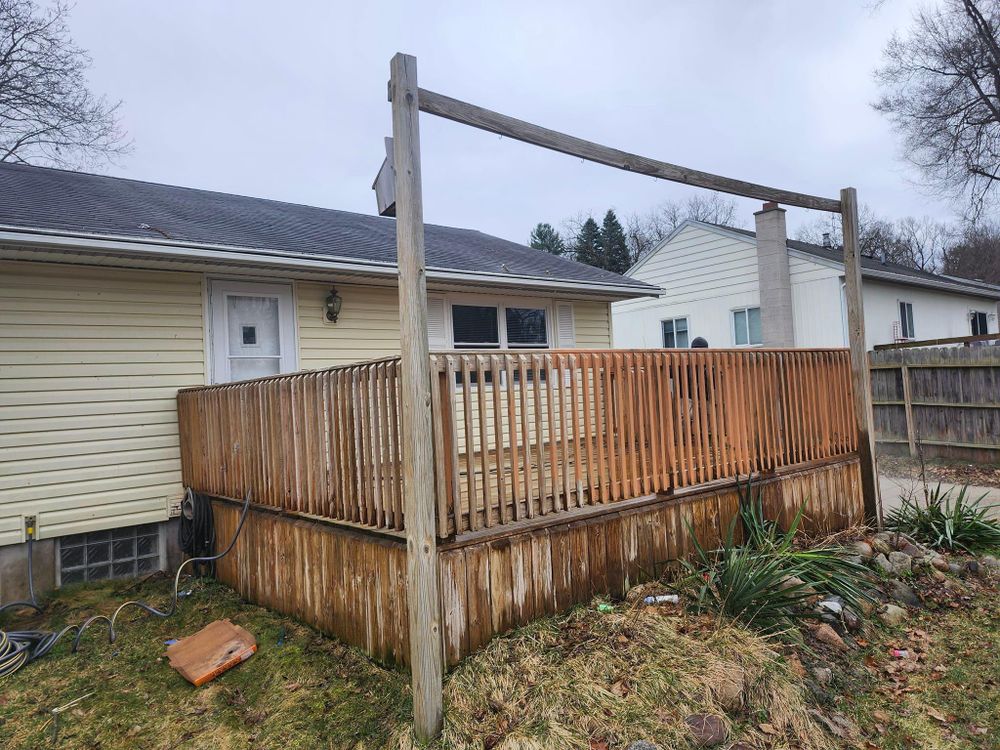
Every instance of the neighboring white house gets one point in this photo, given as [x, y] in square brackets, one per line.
[712, 278]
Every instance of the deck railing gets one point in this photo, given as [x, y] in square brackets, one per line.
[518, 434]
[527, 434]
[324, 442]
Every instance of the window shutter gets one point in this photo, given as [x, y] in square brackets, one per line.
[437, 333]
[565, 327]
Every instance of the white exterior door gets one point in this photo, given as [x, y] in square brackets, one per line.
[252, 330]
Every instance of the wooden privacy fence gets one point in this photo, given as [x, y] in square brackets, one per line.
[517, 434]
[946, 399]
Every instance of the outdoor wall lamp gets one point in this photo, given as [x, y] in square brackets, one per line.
[332, 305]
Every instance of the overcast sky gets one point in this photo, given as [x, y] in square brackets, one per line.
[288, 100]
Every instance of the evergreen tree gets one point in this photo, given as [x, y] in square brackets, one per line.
[588, 246]
[545, 237]
[616, 254]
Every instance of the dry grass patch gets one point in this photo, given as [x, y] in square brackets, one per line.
[590, 678]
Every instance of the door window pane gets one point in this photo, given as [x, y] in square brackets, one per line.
[253, 336]
[526, 327]
[253, 326]
[475, 327]
[241, 368]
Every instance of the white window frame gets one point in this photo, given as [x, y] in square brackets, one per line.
[673, 320]
[732, 326]
[502, 303]
[219, 290]
[912, 335]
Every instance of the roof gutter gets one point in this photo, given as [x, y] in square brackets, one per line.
[176, 250]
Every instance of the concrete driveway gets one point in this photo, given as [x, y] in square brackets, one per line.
[893, 487]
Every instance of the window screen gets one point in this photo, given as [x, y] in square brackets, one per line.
[526, 327]
[475, 327]
[118, 553]
[675, 333]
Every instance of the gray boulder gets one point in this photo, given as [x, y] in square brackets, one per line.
[903, 594]
[900, 563]
[893, 615]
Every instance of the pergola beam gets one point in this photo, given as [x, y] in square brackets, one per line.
[510, 127]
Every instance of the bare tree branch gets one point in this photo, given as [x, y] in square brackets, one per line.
[941, 91]
[48, 115]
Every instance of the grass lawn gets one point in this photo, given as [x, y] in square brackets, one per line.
[300, 690]
[584, 679]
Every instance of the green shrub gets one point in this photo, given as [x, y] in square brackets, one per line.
[940, 522]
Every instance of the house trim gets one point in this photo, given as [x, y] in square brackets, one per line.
[123, 246]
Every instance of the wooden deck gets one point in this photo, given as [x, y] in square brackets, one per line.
[559, 474]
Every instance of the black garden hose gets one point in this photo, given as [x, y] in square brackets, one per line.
[20, 647]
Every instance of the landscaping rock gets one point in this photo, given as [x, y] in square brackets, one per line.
[793, 581]
[912, 550]
[882, 563]
[893, 615]
[971, 568]
[864, 549]
[823, 675]
[954, 568]
[728, 689]
[826, 634]
[880, 546]
[937, 575]
[990, 563]
[903, 594]
[852, 621]
[939, 563]
[856, 559]
[900, 563]
[642, 745]
[707, 730]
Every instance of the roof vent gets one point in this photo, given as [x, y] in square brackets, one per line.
[826, 240]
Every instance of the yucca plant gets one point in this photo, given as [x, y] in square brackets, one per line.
[959, 524]
[750, 583]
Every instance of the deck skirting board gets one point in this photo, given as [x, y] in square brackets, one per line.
[352, 585]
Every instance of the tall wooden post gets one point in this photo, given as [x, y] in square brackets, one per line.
[415, 394]
[860, 375]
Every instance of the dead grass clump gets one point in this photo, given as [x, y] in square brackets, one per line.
[633, 674]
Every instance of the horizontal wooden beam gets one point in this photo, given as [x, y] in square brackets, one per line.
[494, 122]
[937, 342]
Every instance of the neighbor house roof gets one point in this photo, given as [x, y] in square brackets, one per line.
[100, 210]
[870, 267]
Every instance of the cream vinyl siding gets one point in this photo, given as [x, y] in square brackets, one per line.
[90, 363]
[368, 326]
[593, 325]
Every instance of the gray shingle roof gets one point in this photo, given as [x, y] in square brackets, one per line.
[74, 202]
[877, 267]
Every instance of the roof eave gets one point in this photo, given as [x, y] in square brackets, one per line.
[173, 249]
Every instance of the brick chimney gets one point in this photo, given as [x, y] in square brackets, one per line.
[774, 279]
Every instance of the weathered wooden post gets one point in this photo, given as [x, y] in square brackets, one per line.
[418, 461]
[860, 375]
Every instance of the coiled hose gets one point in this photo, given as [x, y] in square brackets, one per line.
[21, 647]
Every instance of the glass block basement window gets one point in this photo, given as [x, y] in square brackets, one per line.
[117, 553]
